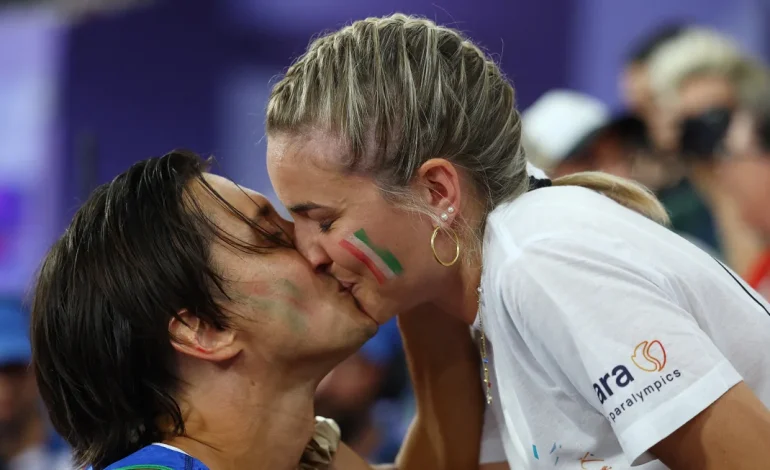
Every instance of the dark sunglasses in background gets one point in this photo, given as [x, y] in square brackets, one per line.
[703, 136]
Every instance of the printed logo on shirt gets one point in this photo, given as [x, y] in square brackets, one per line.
[592, 461]
[648, 356]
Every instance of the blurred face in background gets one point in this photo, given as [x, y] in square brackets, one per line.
[696, 96]
[700, 94]
[638, 96]
[635, 89]
[619, 153]
[746, 172]
[18, 398]
[605, 154]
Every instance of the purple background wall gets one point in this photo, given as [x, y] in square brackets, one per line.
[196, 73]
[31, 46]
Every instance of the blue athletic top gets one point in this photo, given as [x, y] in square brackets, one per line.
[158, 457]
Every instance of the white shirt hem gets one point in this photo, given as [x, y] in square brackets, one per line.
[675, 413]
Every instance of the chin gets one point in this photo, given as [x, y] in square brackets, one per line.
[364, 329]
[354, 334]
[375, 307]
[348, 344]
[383, 309]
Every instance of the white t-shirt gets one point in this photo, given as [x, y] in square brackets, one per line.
[607, 332]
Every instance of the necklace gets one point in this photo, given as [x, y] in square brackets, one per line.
[483, 347]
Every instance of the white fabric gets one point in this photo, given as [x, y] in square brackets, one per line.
[175, 449]
[559, 120]
[608, 332]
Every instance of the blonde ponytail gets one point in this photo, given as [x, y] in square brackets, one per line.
[623, 191]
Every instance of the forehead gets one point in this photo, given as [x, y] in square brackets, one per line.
[243, 199]
[315, 149]
[310, 167]
[701, 93]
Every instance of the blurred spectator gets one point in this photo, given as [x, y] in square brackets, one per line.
[635, 78]
[557, 126]
[665, 172]
[746, 171]
[698, 71]
[369, 396]
[697, 79]
[26, 442]
[567, 132]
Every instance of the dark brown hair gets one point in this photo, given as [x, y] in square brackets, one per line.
[136, 253]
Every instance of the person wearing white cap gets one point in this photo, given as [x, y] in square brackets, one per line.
[557, 123]
[568, 132]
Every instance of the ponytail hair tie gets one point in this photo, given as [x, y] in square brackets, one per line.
[537, 183]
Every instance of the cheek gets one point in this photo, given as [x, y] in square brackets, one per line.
[369, 250]
[730, 172]
[748, 184]
[342, 254]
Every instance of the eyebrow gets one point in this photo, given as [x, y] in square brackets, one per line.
[304, 207]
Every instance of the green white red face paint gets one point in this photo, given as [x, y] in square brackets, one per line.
[381, 262]
[282, 299]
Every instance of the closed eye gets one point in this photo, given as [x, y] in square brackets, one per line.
[325, 226]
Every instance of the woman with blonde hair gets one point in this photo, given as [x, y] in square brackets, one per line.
[606, 339]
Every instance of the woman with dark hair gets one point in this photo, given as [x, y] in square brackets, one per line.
[175, 327]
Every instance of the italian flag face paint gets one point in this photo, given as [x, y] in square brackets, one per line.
[380, 261]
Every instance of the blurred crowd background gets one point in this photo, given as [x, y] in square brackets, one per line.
[674, 94]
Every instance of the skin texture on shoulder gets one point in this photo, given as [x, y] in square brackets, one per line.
[731, 433]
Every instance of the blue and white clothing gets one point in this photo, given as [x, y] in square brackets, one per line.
[159, 457]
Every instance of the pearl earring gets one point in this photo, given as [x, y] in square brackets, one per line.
[444, 217]
[451, 210]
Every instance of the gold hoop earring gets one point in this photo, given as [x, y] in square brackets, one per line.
[452, 234]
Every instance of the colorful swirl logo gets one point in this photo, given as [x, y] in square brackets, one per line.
[650, 356]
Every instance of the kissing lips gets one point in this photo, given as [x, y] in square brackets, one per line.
[345, 286]
[349, 287]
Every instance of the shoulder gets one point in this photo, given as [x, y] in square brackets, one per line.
[554, 210]
[567, 282]
[571, 247]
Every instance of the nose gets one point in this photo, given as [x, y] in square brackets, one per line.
[309, 247]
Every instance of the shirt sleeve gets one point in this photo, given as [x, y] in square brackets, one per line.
[602, 319]
[492, 450]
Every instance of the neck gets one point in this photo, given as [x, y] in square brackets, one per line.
[16, 439]
[243, 423]
[459, 292]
